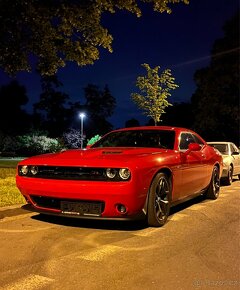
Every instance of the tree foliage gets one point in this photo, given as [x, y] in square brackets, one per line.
[13, 118]
[179, 114]
[72, 138]
[156, 89]
[52, 32]
[53, 107]
[93, 140]
[99, 105]
[132, 123]
[216, 99]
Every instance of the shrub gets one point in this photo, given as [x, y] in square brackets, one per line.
[93, 139]
[72, 138]
[8, 145]
[33, 144]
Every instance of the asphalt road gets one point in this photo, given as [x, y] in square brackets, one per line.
[199, 248]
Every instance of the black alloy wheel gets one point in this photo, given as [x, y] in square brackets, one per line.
[214, 186]
[159, 200]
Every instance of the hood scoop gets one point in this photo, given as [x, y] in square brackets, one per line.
[111, 152]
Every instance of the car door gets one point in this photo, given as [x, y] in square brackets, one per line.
[236, 158]
[193, 165]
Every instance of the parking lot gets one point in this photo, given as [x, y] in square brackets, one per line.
[198, 248]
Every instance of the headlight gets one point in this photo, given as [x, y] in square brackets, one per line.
[111, 173]
[118, 174]
[24, 170]
[34, 170]
[124, 173]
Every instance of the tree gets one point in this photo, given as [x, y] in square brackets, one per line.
[132, 123]
[52, 32]
[156, 89]
[216, 99]
[13, 119]
[53, 107]
[99, 102]
[99, 106]
[179, 115]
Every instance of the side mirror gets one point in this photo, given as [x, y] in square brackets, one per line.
[88, 146]
[194, 147]
[235, 153]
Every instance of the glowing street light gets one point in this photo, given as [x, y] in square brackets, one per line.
[81, 116]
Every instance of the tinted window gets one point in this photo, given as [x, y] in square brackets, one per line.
[223, 148]
[186, 139]
[233, 148]
[138, 138]
[197, 140]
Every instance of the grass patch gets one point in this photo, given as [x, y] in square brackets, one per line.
[9, 193]
[9, 163]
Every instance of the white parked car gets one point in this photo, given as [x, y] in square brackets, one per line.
[231, 160]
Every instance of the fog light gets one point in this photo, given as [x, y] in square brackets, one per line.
[121, 208]
[24, 170]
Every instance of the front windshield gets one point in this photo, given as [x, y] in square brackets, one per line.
[222, 148]
[138, 138]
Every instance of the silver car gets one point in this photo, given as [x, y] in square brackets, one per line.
[231, 160]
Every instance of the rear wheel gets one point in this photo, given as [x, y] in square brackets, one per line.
[158, 202]
[214, 186]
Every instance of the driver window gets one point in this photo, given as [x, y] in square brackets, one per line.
[186, 139]
[233, 148]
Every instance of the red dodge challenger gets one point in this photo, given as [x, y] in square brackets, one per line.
[129, 173]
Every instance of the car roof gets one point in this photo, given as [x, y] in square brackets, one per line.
[219, 142]
[171, 128]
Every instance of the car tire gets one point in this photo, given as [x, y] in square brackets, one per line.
[228, 179]
[214, 186]
[159, 200]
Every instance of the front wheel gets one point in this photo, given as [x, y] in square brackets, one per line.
[214, 186]
[159, 200]
[228, 179]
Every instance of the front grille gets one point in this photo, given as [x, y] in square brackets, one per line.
[71, 173]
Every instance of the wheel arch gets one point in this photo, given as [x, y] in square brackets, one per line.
[169, 173]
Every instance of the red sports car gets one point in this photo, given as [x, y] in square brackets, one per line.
[129, 173]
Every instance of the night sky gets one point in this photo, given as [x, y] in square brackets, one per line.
[181, 41]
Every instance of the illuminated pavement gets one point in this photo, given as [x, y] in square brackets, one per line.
[199, 248]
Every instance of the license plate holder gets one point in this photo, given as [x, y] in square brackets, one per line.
[81, 208]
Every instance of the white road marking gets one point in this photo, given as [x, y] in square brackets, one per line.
[197, 206]
[147, 232]
[100, 253]
[177, 216]
[25, 230]
[30, 282]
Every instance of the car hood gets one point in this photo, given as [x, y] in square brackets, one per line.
[227, 158]
[94, 156]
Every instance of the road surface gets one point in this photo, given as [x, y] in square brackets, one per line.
[198, 248]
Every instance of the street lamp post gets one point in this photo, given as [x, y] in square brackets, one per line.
[81, 115]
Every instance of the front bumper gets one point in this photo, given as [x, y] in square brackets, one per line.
[225, 172]
[130, 194]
